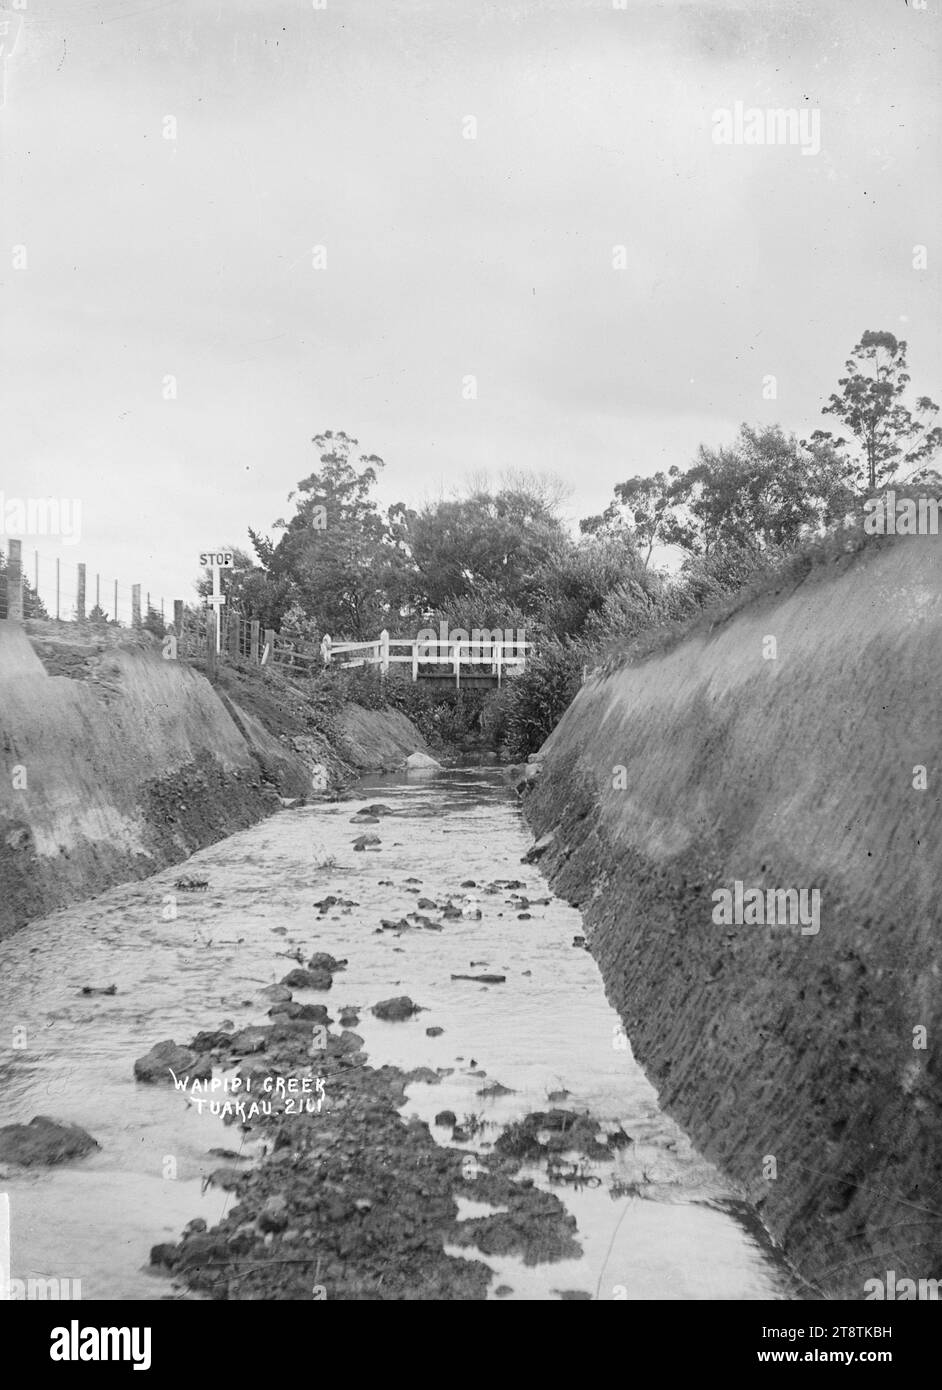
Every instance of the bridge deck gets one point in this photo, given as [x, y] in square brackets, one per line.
[501, 658]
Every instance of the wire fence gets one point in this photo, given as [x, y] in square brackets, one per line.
[69, 591]
[34, 585]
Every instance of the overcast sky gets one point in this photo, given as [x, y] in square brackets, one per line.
[446, 257]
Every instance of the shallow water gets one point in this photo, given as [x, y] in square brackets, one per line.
[655, 1222]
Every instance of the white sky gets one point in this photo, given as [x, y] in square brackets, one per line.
[445, 256]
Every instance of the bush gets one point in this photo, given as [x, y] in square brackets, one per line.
[154, 623]
[532, 704]
[440, 715]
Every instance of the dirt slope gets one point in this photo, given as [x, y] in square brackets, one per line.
[116, 762]
[794, 1059]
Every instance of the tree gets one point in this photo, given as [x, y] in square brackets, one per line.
[342, 561]
[576, 583]
[499, 539]
[871, 405]
[542, 486]
[645, 517]
[153, 622]
[765, 490]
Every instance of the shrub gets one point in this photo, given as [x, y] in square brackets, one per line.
[154, 623]
[533, 703]
[441, 715]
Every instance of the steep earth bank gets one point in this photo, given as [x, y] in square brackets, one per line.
[116, 763]
[805, 1063]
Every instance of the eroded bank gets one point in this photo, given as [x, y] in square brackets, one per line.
[806, 1064]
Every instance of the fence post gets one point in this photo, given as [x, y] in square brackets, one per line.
[499, 649]
[415, 660]
[15, 582]
[116, 600]
[80, 596]
[384, 652]
[58, 568]
[457, 656]
[253, 651]
[135, 605]
[268, 655]
[178, 616]
[325, 649]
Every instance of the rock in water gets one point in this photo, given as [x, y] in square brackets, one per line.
[307, 1013]
[278, 994]
[317, 978]
[394, 1010]
[322, 960]
[168, 1056]
[367, 842]
[418, 761]
[44, 1140]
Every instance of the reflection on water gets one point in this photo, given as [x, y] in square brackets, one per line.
[654, 1222]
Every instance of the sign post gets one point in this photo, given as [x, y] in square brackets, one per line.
[217, 560]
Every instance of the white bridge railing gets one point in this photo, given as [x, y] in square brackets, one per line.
[503, 657]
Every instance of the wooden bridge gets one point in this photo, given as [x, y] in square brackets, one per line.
[481, 659]
[435, 658]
